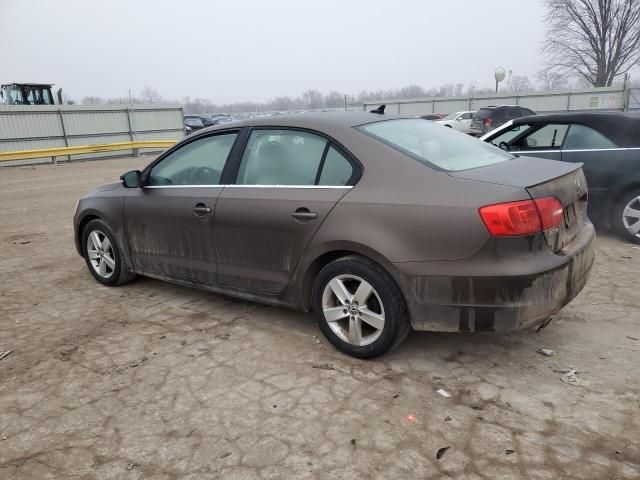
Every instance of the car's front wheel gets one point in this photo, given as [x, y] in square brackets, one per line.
[103, 255]
[627, 216]
[359, 308]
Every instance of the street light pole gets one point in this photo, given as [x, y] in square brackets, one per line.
[499, 76]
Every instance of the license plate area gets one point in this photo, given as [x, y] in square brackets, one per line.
[569, 215]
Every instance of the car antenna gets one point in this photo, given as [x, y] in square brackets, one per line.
[379, 110]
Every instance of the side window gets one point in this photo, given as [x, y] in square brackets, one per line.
[281, 157]
[336, 170]
[549, 136]
[513, 112]
[581, 137]
[467, 116]
[499, 114]
[509, 134]
[197, 163]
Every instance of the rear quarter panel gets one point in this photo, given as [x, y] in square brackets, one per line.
[407, 211]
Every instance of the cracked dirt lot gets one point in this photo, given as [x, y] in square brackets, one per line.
[152, 380]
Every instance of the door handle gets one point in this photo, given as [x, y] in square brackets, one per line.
[201, 209]
[304, 214]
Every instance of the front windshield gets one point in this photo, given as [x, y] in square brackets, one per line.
[451, 116]
[434, 145]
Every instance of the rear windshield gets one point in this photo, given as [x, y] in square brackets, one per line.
[484, 113]
[434, 144]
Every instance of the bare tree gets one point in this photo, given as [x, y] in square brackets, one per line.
[519, 84]
[597, 40]
[411, 91]
[149, 95]
[92, 101]
[446, 90]
[550, 80]
[312, 99]
[283, 103]
[334, 99]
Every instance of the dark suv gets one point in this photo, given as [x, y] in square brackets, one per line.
[488, 118]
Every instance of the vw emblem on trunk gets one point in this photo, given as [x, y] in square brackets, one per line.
[578, 185]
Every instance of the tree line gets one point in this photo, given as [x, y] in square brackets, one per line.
[316, 100]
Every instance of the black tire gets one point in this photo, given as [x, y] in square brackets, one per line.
[119, 274]
[618, 215]
[396, 322]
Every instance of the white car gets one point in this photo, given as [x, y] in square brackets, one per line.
[460, 121]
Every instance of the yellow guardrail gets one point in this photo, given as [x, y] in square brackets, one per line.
[82, 149]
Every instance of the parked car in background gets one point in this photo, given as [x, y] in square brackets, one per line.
[193, 123]
[217, 119]
[412, 225]
[608, 146]
[432, 116]
[460, 121]
[491, 117]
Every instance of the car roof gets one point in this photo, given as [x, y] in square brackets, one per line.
[28, 84]
[320, 121]
[620, 127]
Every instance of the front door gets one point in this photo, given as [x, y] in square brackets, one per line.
[169, 223]
[544, 141]
[287, 183]
[463, 122]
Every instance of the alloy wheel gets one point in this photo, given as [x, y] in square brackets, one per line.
[353, 310]
[631, 217]
[100, 253]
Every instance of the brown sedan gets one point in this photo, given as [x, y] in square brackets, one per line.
[377, 223]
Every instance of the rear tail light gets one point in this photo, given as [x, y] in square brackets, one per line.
[522, 218]
[488, 122]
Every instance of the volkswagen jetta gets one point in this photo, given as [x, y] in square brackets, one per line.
[376, 223]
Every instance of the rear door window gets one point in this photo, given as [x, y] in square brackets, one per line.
[281, 157]
[581, 138]
[429, 143]
[336, 169]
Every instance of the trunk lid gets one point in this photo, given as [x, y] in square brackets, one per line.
[543, 178]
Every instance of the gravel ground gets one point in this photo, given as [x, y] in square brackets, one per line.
[152, 380]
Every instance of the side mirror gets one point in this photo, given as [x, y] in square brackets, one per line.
[132, 179]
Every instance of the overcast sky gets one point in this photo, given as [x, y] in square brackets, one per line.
[256, 50]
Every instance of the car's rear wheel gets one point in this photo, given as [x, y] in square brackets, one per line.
[103, 255]
[359, 308]
[627, 216]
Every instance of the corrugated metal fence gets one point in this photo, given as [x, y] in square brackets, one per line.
[606, 98]
[634, 99]
[46, 126]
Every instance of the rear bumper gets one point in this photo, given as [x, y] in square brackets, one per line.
[513, 283]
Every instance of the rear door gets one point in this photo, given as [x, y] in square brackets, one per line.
[169, 223]
[604, 163]
[286, 184]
